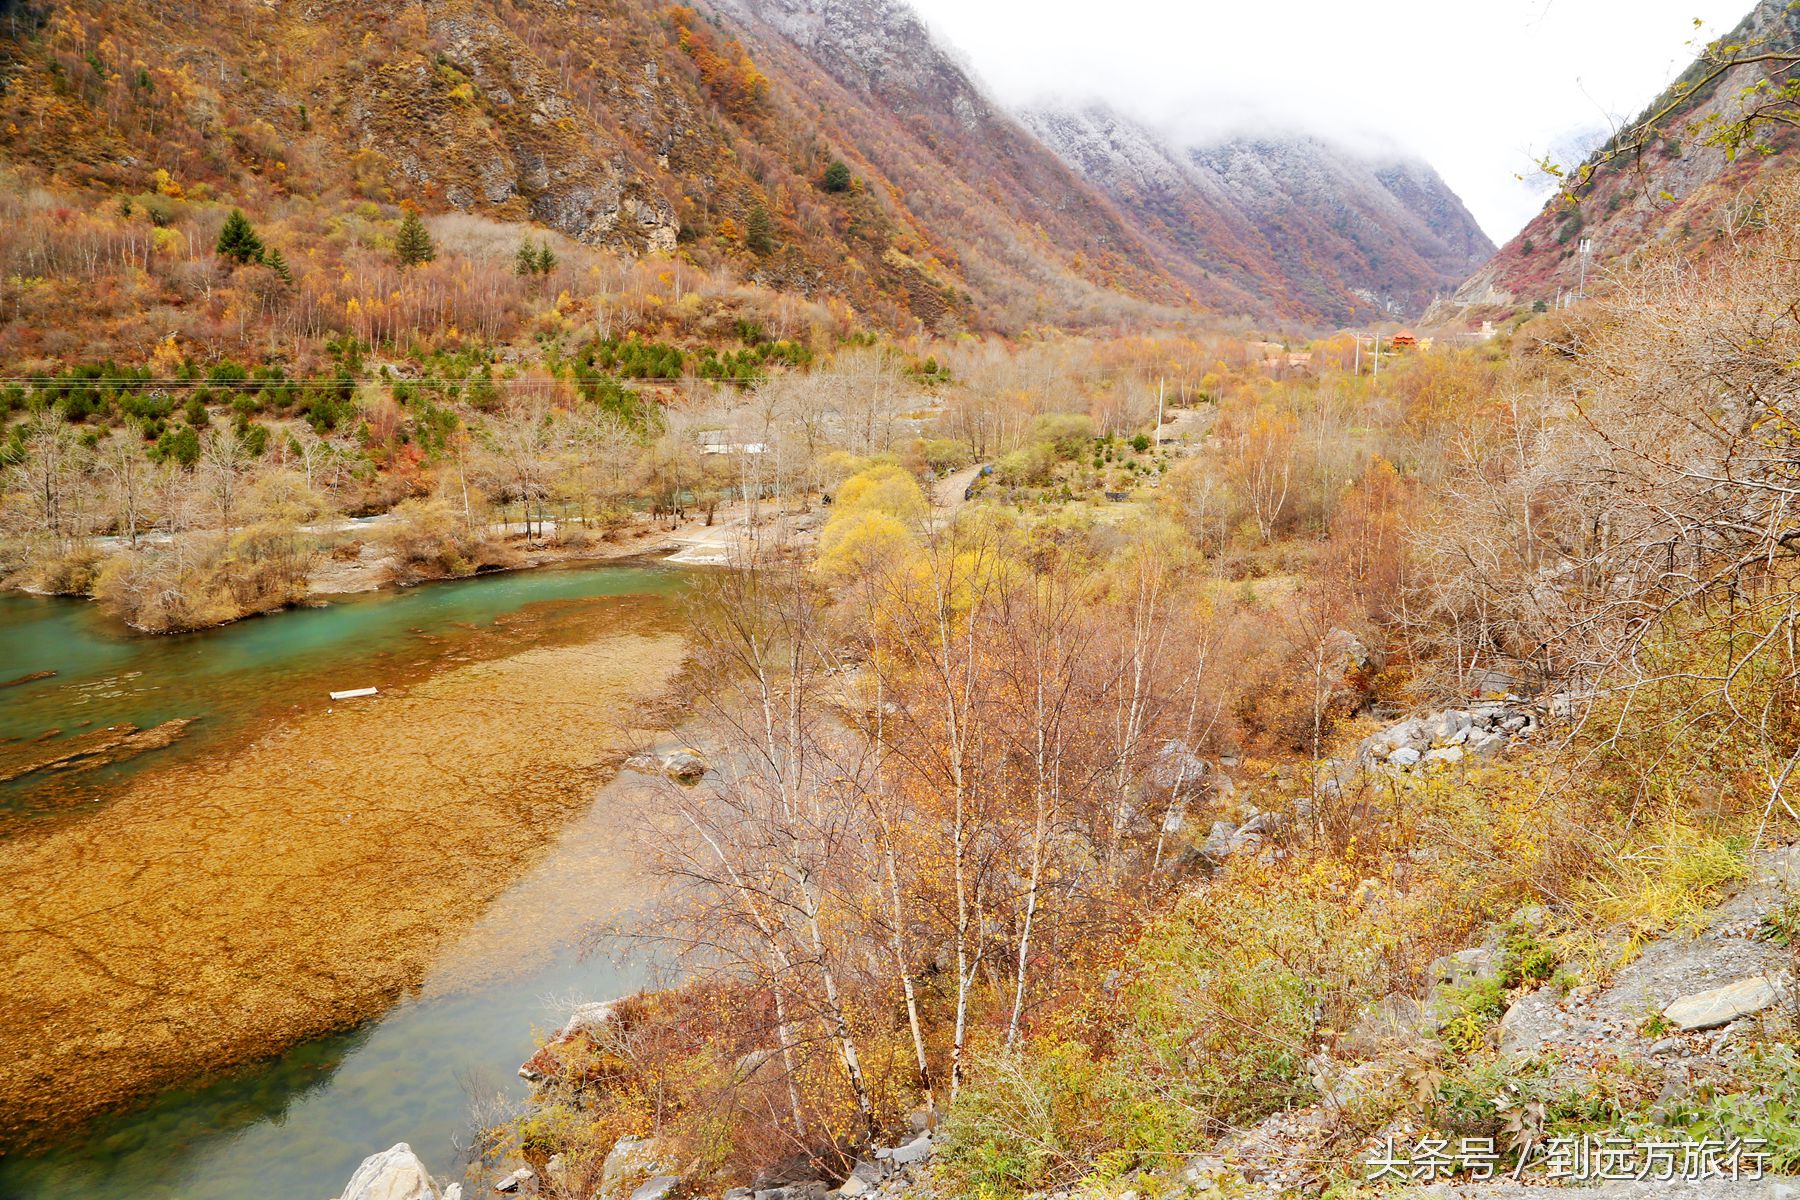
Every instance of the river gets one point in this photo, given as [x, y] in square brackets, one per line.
[296, 1123]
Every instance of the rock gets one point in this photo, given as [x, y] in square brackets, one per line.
[1465, 966]
[852, 1187]
[1535, 1020]
[1218, 844]
[739, 1194]
[1204, 1171]
[684, 766]
[1444, 754]
[1447, 724]
[659, 1187]
[1176, 766]
[917, 1150]
[1666, 1046]
[1705, 1010]
[1486, 745]
[1393, 1021]
[1405, 756]
[394, 1174]
[922, 1119]
[812, 1189]
[586, 1021]
[630, 1158]
[522, 1182]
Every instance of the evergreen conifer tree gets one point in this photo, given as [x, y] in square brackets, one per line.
[277, 262]
[412, 245]
[759, 230]
[238, 241]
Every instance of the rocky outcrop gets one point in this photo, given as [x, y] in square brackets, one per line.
[1483, 730]
[396, 1174]
[573, 1044]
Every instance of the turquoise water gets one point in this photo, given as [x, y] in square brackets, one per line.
[255, 669]
[297, 1125]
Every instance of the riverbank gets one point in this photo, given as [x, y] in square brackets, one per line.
[360, 555]
[216, 912]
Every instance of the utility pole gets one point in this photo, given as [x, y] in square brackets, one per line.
[1159, 410]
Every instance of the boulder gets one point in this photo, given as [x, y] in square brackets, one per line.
[658, 1187]
[1486, 745]
[1219, 845]
[1721, 1006]
[1446, 725]
[1404, 756]
[812, 1189]
[522, 1182]
[631, 1159]
[684, 766]
[394, 1174]
[917, 1150]
[1444, 754]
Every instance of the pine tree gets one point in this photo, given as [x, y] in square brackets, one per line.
[546, 259]
[412, 245]
[525, 260]
[277, 263]
[759, 230]
[837, 176]
[238, 241]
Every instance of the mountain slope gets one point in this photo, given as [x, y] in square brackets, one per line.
[1671, 188]
[618, 122]
[1323, 230]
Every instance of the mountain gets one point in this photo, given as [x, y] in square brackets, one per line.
[629, 123]
[1321, 230]
[1674, 187]
[650, 126]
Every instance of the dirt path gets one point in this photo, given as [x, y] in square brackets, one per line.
[948, 491]
[218, 912]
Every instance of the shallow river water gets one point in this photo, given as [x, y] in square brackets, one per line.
[296, 1125]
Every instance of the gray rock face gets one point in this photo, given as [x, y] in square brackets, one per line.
[1721, 1006]
[522, 1182]
[917, 1150]
[630, 1160]
[811, 1190]
[659, 1187]
[1218, 844]
[394, 1174]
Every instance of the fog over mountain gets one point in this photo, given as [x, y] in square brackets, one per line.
[1480, 92]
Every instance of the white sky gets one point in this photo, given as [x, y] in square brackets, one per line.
[1477, 89]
